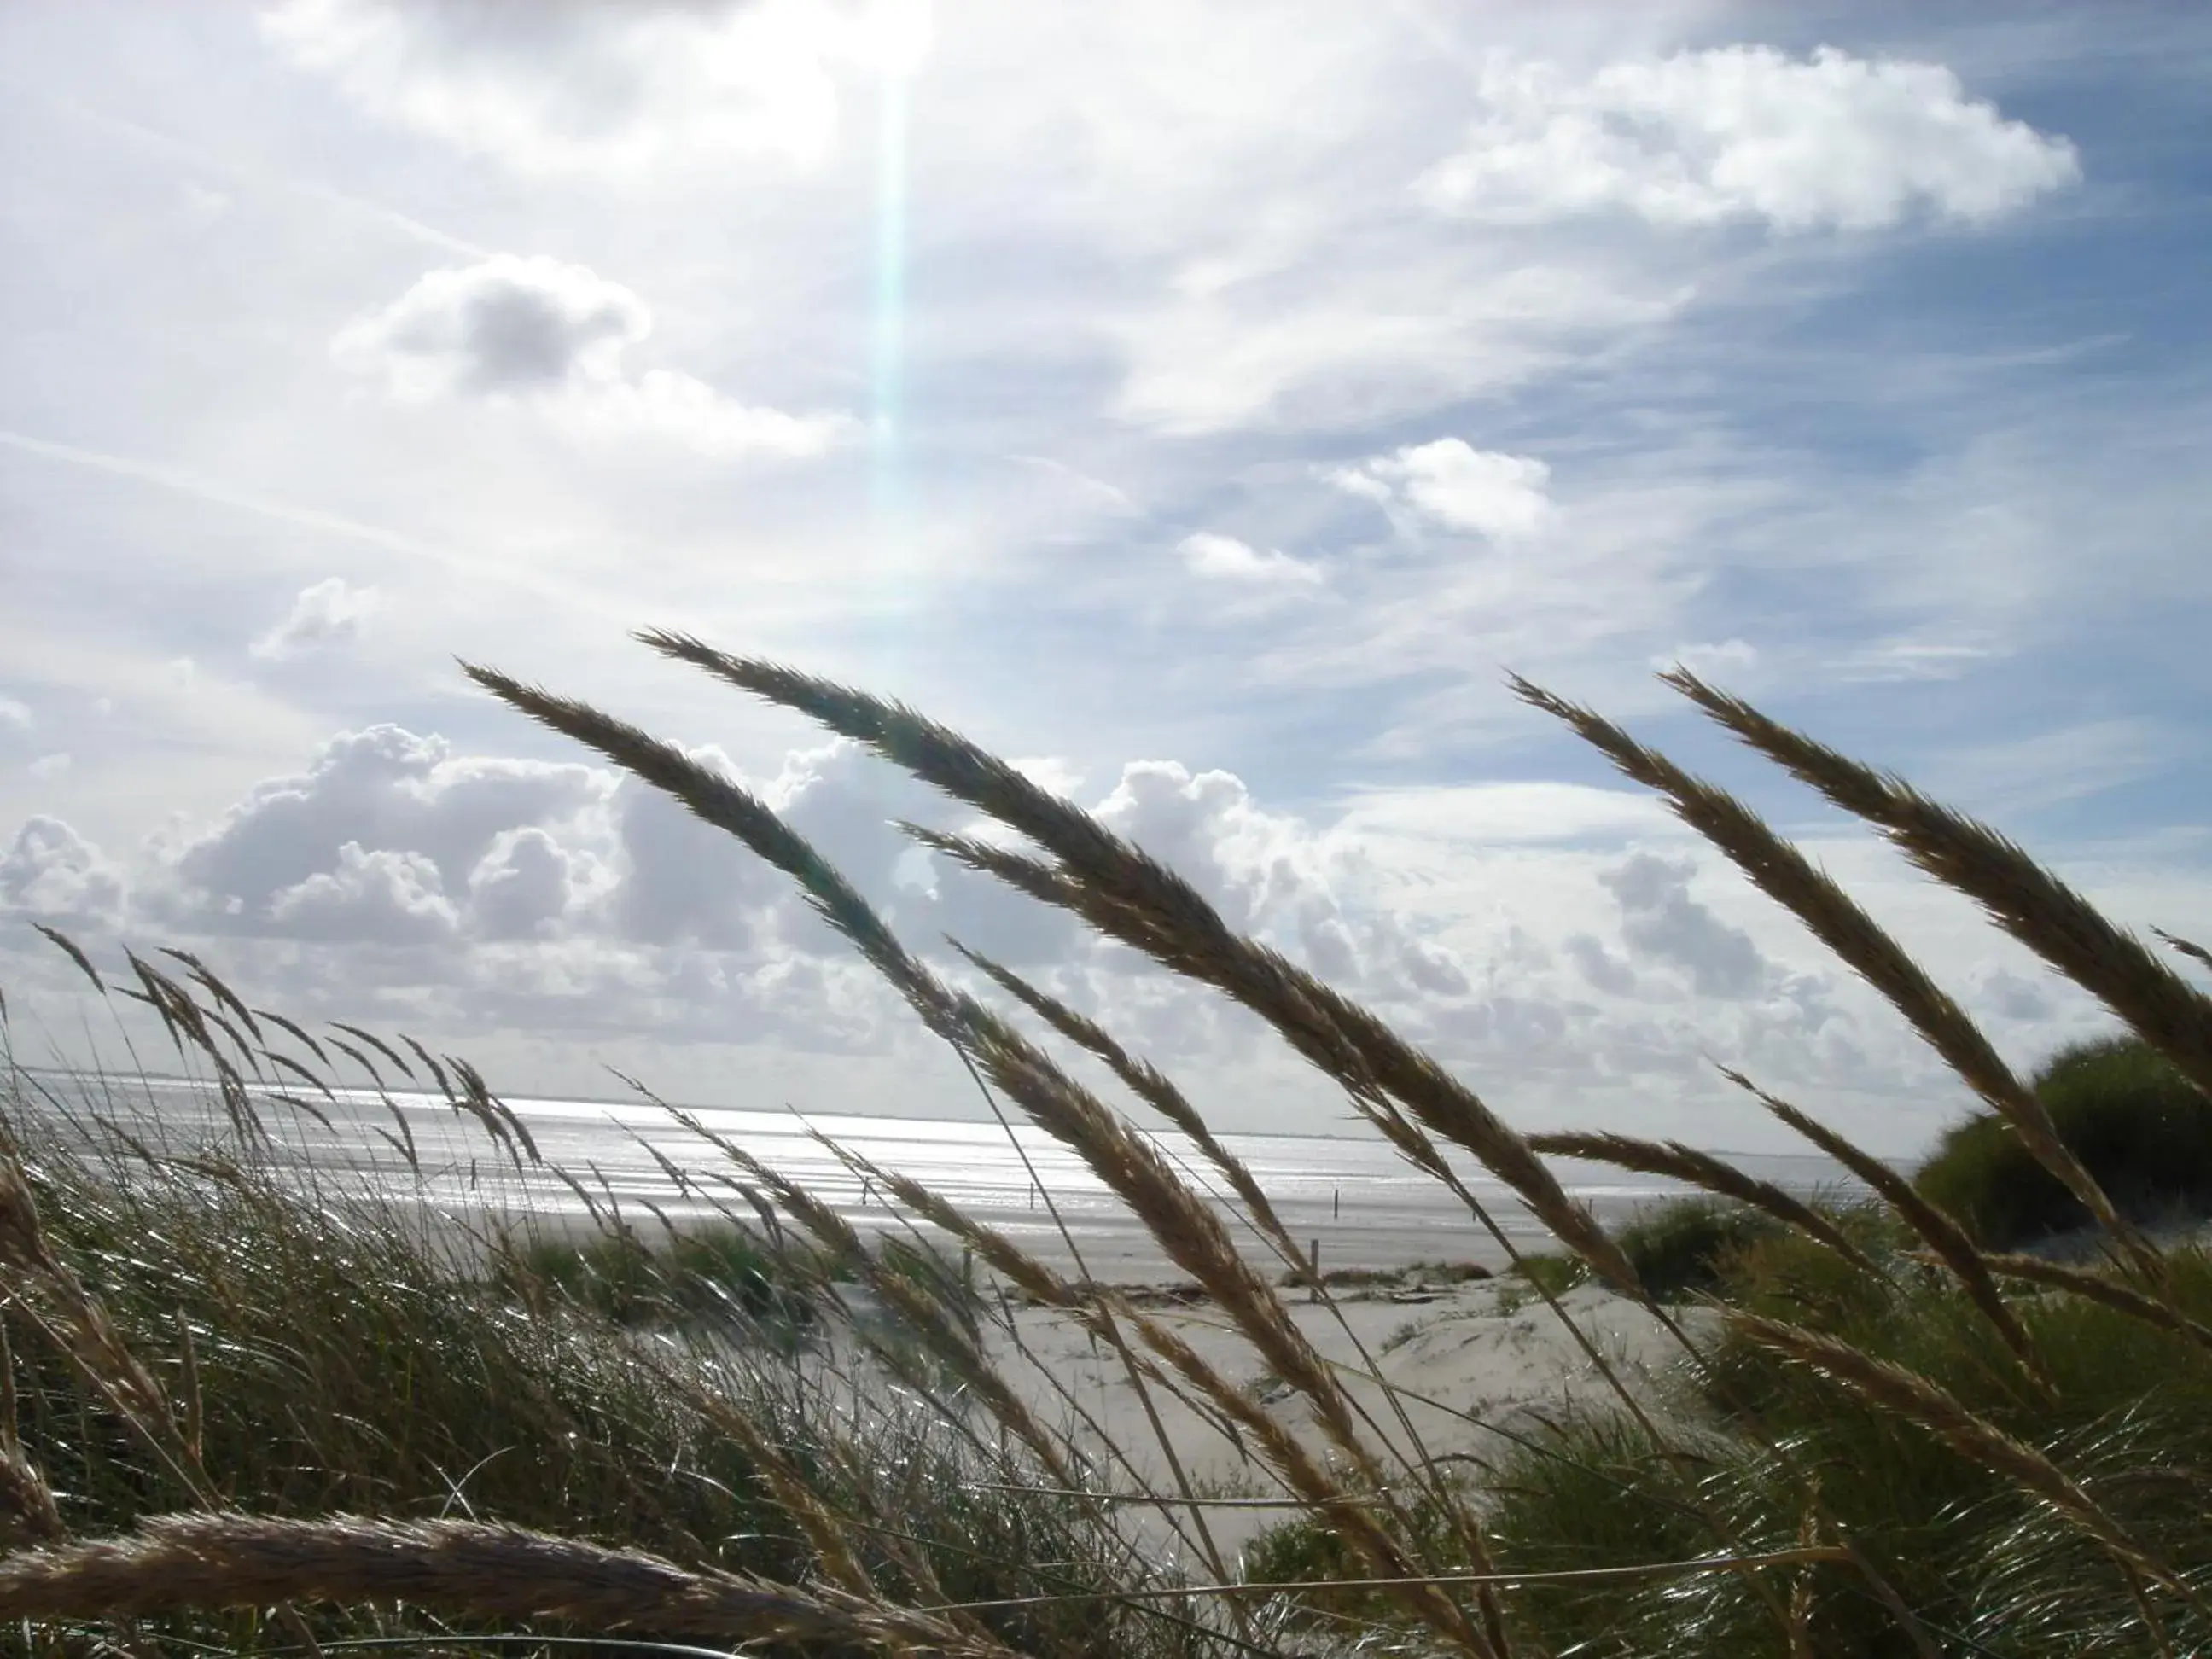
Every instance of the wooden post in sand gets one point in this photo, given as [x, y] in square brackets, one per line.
[1313, 1270]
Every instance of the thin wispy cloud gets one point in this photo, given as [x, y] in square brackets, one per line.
[1224, 558]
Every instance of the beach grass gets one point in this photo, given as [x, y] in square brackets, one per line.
[253, 1411]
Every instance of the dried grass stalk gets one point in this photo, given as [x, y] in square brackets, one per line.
[1942, 1236]
[2189, 948]
[1188, 1230]
[1675, 1161]
[2096, 1287]
[26, 1502]
[1892, 1388]
[1096, 1314]
[1132, 898]
[80, 1327]
[1186, 1227]
[1785, 875]
[2025, 900]
[920, 1311]
[1349, 1514]
[182, 1562]
[1149, 1084]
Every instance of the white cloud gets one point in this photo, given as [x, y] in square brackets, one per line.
[202, 204]
[2014, 996]
[1336, 341]
[1743, 132]
[49, 767]
[505, 325]
[1661, 920]
[1603, 969]
[524, 884]
[419, 821]
[327, 612]
[52, 873]
[1093, 495]
[1503, 813]
[1274, 875]
[560, 86]
[2009, 776]
[553, 335]
[1053, 772]
[14, 716]
[665, 404]
[383, 897]
[1226, 559]
[1909, 657]
[1452, 483]
[1712, 658]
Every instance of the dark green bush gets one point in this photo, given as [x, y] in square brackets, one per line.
[1947, 1533]
[705, 1276]
[1553, 1271]
[2139, 1126]
[1681, 1248]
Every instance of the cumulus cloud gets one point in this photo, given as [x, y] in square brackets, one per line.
[1273, 875]
[1829, 142]
[50, 874]
[1452, 483]
[383, 897]
[561, 85]
[683, 882]
[49, 767]
[524, 885]
[560, 901]
[14, 716]
[385, 830]
[1661, 920]
[554, 336]
[507, 323]
[1603, 969]
[327, 612]
[1224, 558]
[2014, 996]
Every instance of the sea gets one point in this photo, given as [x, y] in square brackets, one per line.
[1350, 1197]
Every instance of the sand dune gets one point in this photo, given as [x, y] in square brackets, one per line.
[1475, 1364]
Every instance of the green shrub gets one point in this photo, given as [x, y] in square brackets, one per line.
[1681, 1248]
[1950, 1535]
[1309, 1549]
[1553, 1271]
[702, 1277]
[2138, 1126]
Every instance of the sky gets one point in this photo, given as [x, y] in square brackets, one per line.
[1207, 407]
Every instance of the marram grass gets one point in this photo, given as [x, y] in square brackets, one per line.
[240, 1411]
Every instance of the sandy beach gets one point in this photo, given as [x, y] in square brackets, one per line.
[1474, 1365]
